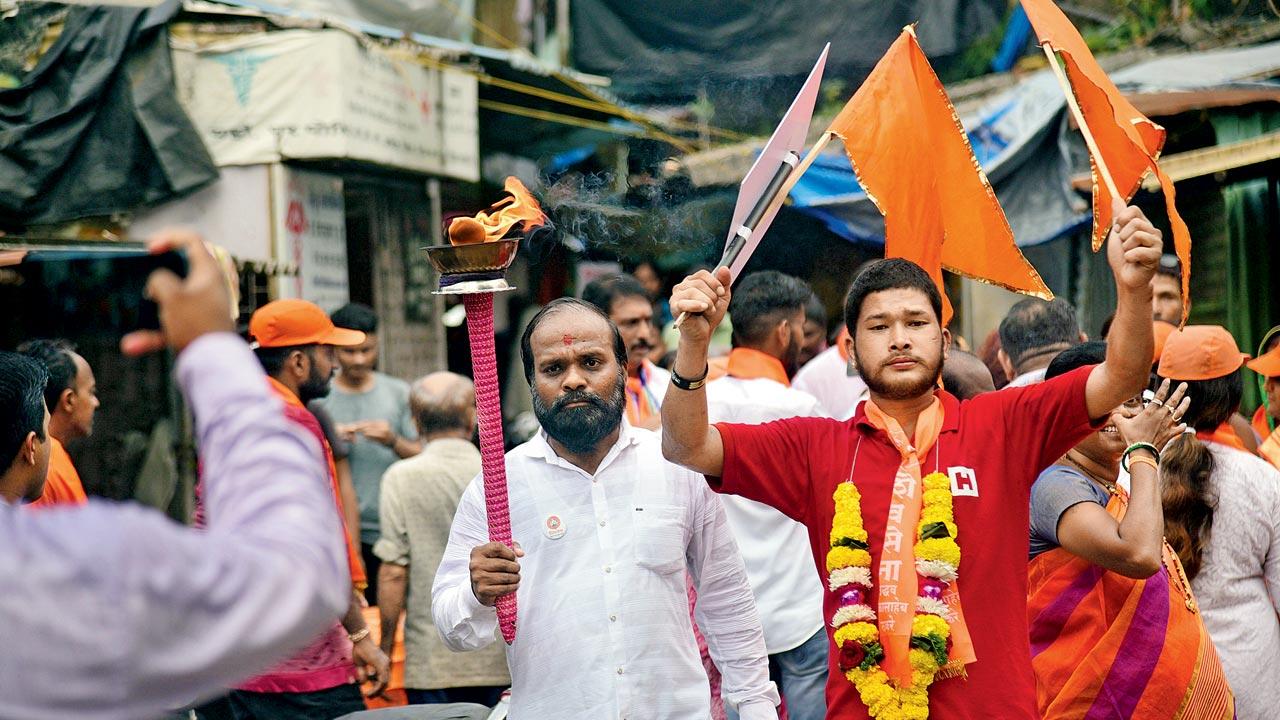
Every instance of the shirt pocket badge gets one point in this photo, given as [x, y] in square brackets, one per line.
[659, 538]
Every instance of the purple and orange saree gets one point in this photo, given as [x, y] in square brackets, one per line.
[1107, 647]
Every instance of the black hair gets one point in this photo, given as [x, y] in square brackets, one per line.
[604, 292]
[558, 305]
[356, 316]
[815, 312]
[1034, 326]
[1171, 266]
[888, 274]
[22, 384]
[1187, 465]
[272, 359]
[761, 300]
[1093, 352]
[58, 358]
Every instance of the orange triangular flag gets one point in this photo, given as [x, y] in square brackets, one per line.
[911, 155]
[1127, 140]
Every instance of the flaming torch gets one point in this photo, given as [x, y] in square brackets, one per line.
[474, 265]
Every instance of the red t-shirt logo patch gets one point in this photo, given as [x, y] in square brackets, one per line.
[964, 481]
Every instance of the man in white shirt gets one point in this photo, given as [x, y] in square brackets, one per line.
[1032, 335]
[768, 310]
[626, 303]
[606, 531]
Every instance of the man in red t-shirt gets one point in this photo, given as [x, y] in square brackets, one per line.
[990, 448]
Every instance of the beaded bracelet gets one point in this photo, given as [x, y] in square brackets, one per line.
[1124, 459]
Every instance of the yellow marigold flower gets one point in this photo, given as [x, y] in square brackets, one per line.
[859, 632]
[937, 499]
[838, 557]
[944, 549]
[933, 514]
[937, 481]
[923, 662]
[843, 527]
[930, 625]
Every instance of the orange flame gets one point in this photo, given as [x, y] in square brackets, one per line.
[494, 223]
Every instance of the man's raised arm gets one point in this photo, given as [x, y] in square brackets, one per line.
[687, 438]
[1133, 251]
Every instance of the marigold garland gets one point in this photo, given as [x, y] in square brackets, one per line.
[857, 638]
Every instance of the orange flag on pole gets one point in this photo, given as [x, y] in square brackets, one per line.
[910, 153]
[1123, 143]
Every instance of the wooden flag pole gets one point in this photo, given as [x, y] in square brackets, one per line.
[775, 203]
[1074, 105]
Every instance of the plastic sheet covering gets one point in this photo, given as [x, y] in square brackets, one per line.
[95, 127]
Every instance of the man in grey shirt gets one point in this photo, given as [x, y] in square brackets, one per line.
[371, 410]
[419, 497]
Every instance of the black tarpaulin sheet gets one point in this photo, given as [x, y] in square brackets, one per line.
[95, 128]
[667, 44]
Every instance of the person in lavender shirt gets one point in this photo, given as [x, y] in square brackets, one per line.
[113, 611]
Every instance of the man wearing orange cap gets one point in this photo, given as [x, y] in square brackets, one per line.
[294, 341]
[1203, 352]
[1268, 366]
[1267, 417]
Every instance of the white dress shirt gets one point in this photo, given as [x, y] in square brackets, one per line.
[1031, 377]
[826, 377]
[775, 548]
[603, 628]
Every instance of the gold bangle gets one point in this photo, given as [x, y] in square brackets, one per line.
[1144, 461]
[359, 635]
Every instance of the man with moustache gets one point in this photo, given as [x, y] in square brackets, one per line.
[294, 341]
[605, 532]
[976, 461]
[624, 300]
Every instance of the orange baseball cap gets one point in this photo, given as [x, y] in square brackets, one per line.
[1268, 364]
[285, 323]
[1200, 352]
[1162, 330]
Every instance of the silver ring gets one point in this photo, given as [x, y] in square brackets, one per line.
[1154, 401]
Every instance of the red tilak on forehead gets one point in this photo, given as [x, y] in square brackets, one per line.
[568, 340]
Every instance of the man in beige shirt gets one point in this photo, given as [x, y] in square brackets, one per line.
[419, 497]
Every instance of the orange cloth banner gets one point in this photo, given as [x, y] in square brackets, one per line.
[910, 153]
[1128, 140]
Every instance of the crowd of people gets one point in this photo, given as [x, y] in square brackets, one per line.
[776, 531]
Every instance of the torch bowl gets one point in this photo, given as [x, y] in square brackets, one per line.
[486, 257]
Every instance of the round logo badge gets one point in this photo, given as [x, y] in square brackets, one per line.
[554, 527]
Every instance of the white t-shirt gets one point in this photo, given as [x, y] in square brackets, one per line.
[774, 547]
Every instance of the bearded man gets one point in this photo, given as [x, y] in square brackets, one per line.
[895, 496]
[605, 532]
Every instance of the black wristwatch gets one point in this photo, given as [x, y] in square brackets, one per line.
[687, 384]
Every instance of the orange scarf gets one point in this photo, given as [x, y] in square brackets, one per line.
[642, 404]
[898, 588]
[1224, 434]
[748, 364]
[355, 562]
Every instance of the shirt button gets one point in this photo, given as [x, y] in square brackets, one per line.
[601, 523]
[613, 618]
[608, 568]
[619, 671]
